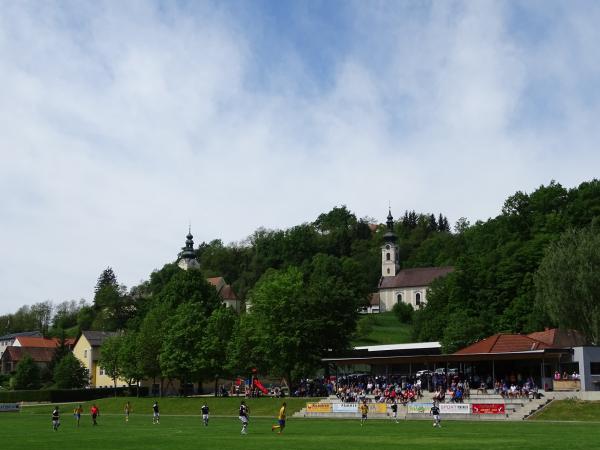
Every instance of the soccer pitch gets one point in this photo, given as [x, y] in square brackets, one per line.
[34, 431]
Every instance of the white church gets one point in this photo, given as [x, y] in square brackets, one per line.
[407, 285]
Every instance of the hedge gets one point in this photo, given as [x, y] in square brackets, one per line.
[67, 395]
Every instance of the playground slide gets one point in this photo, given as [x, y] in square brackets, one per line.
[260, 386]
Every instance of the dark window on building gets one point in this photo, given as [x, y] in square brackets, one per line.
[399, 298]
[595, 368]
[418, 299]
[388, 271]
[387, 256]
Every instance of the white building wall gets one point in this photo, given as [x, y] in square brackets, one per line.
[389, 297]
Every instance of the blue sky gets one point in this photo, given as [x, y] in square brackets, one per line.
[123, 121]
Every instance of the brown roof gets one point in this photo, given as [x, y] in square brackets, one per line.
[557, 337]
[227, 293]
[38, 354]
[423, 276]
[504, 343]
[40, 342]
[374, 299]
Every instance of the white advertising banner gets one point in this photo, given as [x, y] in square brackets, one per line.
[345, 407]
[455, 408]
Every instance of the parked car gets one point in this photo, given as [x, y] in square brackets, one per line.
[422, 373]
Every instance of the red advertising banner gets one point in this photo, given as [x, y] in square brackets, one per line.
[488, 408]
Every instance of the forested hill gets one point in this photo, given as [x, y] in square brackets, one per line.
[492, 289]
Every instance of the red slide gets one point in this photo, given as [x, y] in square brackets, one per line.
[260, 386]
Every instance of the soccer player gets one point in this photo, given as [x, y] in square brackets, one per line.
[435, 411]
[55, 419]
[395, 411]
[77, 414]
[95, 412]
[127, 411]
[205, 412]
[364, 410]
[280, 420]
[155, 413]
[243, 415]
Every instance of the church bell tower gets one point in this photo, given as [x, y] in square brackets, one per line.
[187, 256]
[389, 250]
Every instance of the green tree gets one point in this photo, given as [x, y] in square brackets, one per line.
[69, 373]
[568, 281]
[130, 361]
[27, 374]
[181, 351]
[110, 359]
[215, 339]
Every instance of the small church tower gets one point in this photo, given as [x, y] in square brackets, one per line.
[187, 257]
[389, 250]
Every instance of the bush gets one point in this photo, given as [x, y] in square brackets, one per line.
[404, 312]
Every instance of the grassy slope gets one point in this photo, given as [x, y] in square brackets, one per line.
[570, 410]
[182, 406]
[386, 330]
[23, 431]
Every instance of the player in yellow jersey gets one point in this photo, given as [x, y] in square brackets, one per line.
[77, 414]
[280, 419]
[364, 410]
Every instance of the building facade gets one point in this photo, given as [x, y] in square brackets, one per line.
[87, 351]
[408, 285]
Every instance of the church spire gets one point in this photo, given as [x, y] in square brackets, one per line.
[187, 256]
[390, 235]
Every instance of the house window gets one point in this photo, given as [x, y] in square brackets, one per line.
[85, 353]
[387, 256]
[595, 368]
[418, 299]
[399, 298]
[101, 371]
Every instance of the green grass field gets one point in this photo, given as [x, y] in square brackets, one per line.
[386, 330]
[573, 410]
[32, 429]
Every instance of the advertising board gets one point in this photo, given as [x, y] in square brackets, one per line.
[345, 407]
[418, 408]
[455, 408]
[318, 407]
[488, 408]
[9, 407]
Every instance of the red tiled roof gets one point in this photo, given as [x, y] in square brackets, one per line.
[227, 293]
[38, 354]
[504, 343]
[557, 337]
[423, 276]
[215, 281]
[28, 341]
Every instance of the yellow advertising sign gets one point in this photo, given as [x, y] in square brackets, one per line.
[377, 408]
[318, 407]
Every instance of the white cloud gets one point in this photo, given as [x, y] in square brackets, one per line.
[121, 122]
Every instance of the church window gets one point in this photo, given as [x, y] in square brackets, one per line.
[387, 256]
[388, 271]
[418, 299]
[387, 247]
[399, 298]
